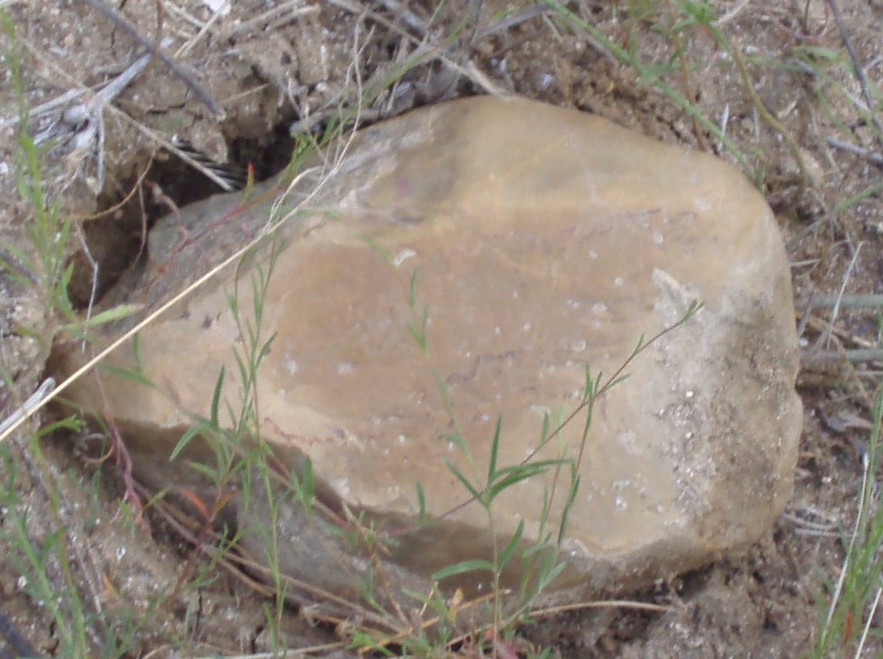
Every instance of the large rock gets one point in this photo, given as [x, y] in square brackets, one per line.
[544, 241]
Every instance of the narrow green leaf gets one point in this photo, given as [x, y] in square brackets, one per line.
[216, 399]
[469, 486]
[306, 485]
[126, 373]
[421, 504]
[107, 316]
[495, 448]
[185, 440]
[205, 470]
[516, 474]
[464, 567]
[456, 439]
[412, 292]
[510, 548]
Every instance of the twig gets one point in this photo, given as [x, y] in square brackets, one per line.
[117, 19]
[187, 47]
[730, 15]
[29, 406]
[408, 17]
[870, 156]
[95, 266]
[872, 614]
[271, 14]
[44, 108]
[831, 356]
[869, 301]
[604, 604]
[513, 20]
[725, 122]
[859, 72]
[835, 310]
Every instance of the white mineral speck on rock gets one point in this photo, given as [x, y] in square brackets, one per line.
[403, 256]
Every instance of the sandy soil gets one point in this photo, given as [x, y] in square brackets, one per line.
[265, 71]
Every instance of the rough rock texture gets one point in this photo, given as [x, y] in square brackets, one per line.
[544, 240]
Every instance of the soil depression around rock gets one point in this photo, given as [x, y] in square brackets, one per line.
[544, 240]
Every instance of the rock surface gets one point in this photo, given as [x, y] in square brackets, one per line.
[544, 240]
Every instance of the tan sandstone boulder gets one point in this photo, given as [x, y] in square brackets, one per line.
[544, 240]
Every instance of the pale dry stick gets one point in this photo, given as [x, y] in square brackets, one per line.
[513, 20]
[313, 650]
[809, 528]
[725, 122]
[408, 17]
[275, 13]
[730, 15]
[48, 106]
[835, 311]
[809, 533]
[867, 154]
[587, 17]
[859, 652]
[858, 356]
[205, 29]
[604, 604]
[95, 267]
[280, 23]
[172, 8]
[28, 407]
[868, 301]
[799, 520]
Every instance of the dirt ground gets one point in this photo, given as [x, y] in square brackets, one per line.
[267, 65]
